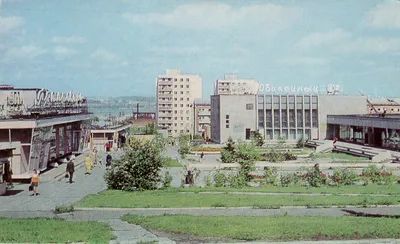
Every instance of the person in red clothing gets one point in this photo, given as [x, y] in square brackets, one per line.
[108, 146]
[335, 140]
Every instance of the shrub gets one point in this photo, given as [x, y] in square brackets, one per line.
[314, 177]
[289, 179]
[167, 180]
[344, 177]
[270, 175]
[380, 176]
[139, 168]
[300, 143]
[219, 179]
[228, 152]
[64, 209]
[207, 180]
[237, 180]
[184, 145]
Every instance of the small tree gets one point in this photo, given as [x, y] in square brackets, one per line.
[139, 168]
[150, 129]
[246, 155]
[184, 145]
[257, 139]
[228, 152]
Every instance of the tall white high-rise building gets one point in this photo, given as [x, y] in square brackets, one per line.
[175, 96]
[231, 85]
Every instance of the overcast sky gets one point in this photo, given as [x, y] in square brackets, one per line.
[118, 47]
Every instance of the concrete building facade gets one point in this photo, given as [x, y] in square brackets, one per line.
[291, 117]
[233, 116]
[42, 126]
[202, 118]
[232, 85]
[175, 96]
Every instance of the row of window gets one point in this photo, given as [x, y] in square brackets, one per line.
[288, 99]
[170, 79]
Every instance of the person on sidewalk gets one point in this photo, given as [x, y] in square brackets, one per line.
[88, 165]
[108, 160]
[95, 157]
[35, 182]
[70, 170]
[8, 174]
[201, 156]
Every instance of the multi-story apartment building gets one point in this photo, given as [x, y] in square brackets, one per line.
[175, 96]
[202, 118]
[231, 85]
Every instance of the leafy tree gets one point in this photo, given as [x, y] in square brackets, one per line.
[184, 145]
[139, 168]
[227, 152]
[246, 155]
[150, 129]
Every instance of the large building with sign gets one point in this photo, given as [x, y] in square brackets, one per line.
[290, 116]
[41, 126]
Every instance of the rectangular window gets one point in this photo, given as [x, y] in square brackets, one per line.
[181, 86]
[227, 121]
[277, 119]
[227, 126]
[187, 86]
[227, 116]
[249, 106]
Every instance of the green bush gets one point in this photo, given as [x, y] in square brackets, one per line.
[289, 179]
[220, 179]
[64, 209]
[167, 180]
[380, 176]
[344, 177]
[271, 175]
[314, 177]
[139, 168]
[237, 180]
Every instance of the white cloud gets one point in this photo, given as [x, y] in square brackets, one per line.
[294, 61]
[372, 45]
[9, 23]
[384, 15]
[25, 52]
[104, 55]
[69, 39]
[324, 38]
[211, 15]
[64, 51]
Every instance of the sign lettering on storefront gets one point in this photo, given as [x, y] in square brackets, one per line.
[45, 98]
[268, 88]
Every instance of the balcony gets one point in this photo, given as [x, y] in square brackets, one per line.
[164, 101]
[165, 108]
[165, 88]
[165, 81]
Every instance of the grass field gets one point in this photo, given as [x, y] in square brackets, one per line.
[169, 162]
[41, 230]
[340, 156]
[174, 199]
[272, 228]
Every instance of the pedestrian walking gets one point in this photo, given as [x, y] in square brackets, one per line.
[95, 157]
[108, 146]
[201, 156]
[108, 160]
[35, 182]
[88, 165]
[70, 170]
[8, 174]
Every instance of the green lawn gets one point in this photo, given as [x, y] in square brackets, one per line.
[41, 230]
[352, 189]
[174, 199]
[169, 162]
[272, 228]
[342, 156]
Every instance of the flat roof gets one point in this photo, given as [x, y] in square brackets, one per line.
[390, 121]
[34, 123]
